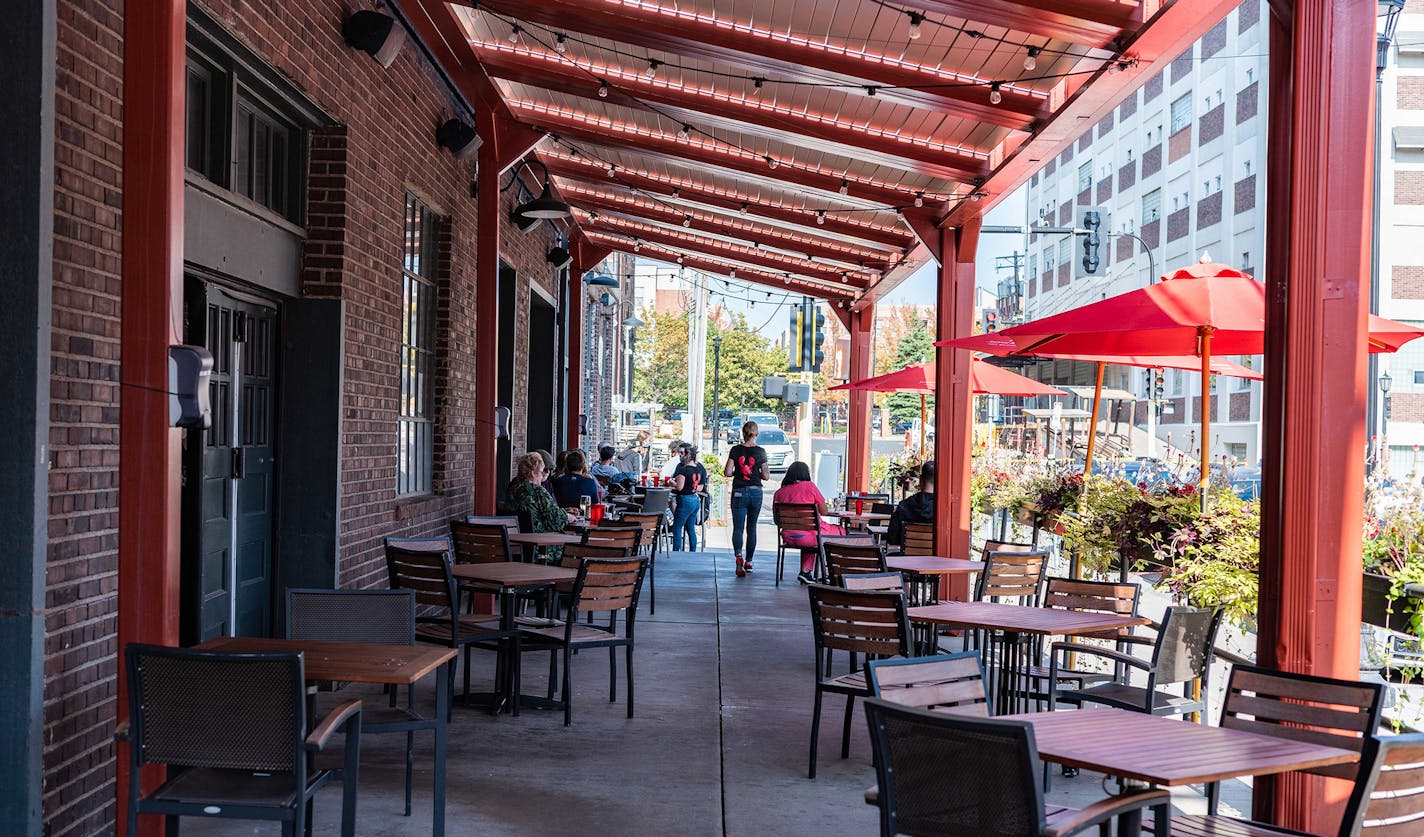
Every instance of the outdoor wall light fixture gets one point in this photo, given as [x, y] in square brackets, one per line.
[458, 137]
[559, 257]
[546, 207]
[375, 34]
[603, 280]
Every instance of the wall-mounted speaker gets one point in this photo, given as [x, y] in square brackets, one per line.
[522, 221]
[459, 138]
[559, 258]
[583, 424]
[376, 34]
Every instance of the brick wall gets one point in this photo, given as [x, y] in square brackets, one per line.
[1153, 88]
[1049, 167]
[1105, 126]
[1248, 14]
[1410, 93]
[1105, 189]
[1179, 223]
[1085, 140]
[1406, 281]
[1047, 281]
[1196, 408]
[1409, 188]
[1239, 406]
[1247, 102]
[1124, 247]
[1127, 108]
[1151, 231]
[1245, 198]
[1210, 126]
[1065, 274]
[81, 607]
[1067, 156]
[1209, 210]
[1214, 39]
[1085, 197]
[1127, 175]
[1179, 144]
[1182, 64]
[1151, 161]
[1065, 213]
[1406, 406]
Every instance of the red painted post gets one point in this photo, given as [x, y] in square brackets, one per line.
[858, 441]
[574, 316]
[152, 299]
[954, 417]
[487, 225]
[1317, 275]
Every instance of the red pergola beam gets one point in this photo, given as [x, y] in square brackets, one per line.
[1093, 23]
[715, 247]
[1174, 28]
[706, 109]
[726, 269]
[590, 171]
[642, 210]
[591, 129]
[778, 55]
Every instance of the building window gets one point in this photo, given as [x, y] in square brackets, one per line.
[1247, 165]
[1181, 113]
[1151, 206]
[1246, 260]
[264, 158]
[1419, 377]
[1250, 75]
[1216, 184]
[1178, 379]
[1085, 175]
[415, 429]
[1065, 251]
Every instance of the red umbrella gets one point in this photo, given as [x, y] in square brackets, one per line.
[1194, 311]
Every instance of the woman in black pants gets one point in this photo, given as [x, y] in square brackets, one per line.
[746, 465]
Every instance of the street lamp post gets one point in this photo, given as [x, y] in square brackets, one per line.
[716, 383]
[1389, 11]
[1384, 383]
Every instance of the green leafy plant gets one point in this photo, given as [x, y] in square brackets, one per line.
[1215, 559]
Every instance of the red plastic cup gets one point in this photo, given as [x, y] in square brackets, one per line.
[859, 505]
[595, 513]
[645, 480]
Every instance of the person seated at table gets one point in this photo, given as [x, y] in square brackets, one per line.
[689, 481]
[575, 482]
[526, 495]
[630, 461]
[796, 487]
[548, 469]
[604, 467]
[917, 508]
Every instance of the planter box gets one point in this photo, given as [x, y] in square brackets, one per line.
[1375, 603]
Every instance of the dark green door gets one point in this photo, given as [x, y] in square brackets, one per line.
[230, 471]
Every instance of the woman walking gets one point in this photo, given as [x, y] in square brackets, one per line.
[688, 481]
[746, 465]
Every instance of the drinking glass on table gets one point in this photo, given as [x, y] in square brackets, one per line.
[584, 502]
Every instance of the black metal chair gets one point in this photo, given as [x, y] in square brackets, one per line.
[604, 585]
[232, 728]
[945, 774]
[379, 617]
[870, 622]
[893, 582]
[850, 556]
[656, 501]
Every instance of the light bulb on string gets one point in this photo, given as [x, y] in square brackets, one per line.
[919, 199]
[845, 186]
[653, 66]
[732, 273]
[756, 86]
[821, 218]
[771, 162]
[514, 34]
[915, 20]
[746, 207]
[561, 45]
[603, 90]
[1031, 59]
[687, 220]
[995, 97]
[685, 132]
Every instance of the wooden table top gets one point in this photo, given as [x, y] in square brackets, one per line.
[511, 574]
[850, 515]
[1048, 621]
[544, 538]
[932, 564]
[348, 661]
[1167, 751]
[878, 530]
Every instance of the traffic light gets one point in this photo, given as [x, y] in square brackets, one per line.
[1157, 388]
[1092, 239]
[991, 320]
[796, 345]
[815, 323]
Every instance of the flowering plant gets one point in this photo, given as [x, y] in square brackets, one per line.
[1120, 521]
[1057, 493]
[1215, 558]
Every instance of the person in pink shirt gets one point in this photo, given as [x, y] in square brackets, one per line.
[796, 487]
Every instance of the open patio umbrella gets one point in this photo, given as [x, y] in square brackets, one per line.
[1193, 311]
[984, 379]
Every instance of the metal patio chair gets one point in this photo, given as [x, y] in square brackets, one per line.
[943, 682]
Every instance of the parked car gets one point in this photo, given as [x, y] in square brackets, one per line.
[763, 421]
[779, 452]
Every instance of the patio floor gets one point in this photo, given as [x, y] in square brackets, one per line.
[718, 747]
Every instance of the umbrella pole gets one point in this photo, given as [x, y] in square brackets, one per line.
[1093, 426]
[1204, 476]
[922, 427]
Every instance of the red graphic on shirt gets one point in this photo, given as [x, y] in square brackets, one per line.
[744, 466]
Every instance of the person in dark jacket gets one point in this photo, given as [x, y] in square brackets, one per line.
[917, 508]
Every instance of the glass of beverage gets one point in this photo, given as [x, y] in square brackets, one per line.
[595, 514]
[584, 502]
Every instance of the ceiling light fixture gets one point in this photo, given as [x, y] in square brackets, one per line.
[602, 89]
[603, 280]
[995, 97]
[1031, 59]
[915, 20]
[546, 206]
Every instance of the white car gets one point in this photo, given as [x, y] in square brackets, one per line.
[779, 452]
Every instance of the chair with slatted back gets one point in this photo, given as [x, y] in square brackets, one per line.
[423, 566]
[1387, 801]
[508, 521]
[888, 581]
[943, 683]
[604, 585]
[872, 623]
[481, 543]
[612, 535]
[232, 729]
[941, 773]
[1340, 713]
[793, 517]
[653, 525]
[1181, 656]
[378, 617]
[850, 556]
[1012, 575]
[919, 539]
[1089, 597]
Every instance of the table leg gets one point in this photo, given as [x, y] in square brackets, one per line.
[442, 709]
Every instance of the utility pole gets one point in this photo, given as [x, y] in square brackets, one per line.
[696, 364]
[716, 385]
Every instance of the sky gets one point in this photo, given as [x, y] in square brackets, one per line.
[919, 289]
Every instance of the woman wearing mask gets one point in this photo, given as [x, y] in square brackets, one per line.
[688, 481]
[747, 466]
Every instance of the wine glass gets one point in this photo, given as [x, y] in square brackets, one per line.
[584, 502]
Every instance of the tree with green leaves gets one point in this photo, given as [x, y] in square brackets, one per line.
[915, 347]
[660, 362]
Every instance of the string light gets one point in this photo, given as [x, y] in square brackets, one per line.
[676, 192]
[514, 34]
[845, 186]
[915, 20]
[561, 44]
[687, 220]
[685, 132]
[771, 162]
[871, 90]
[821, 218]
[1031, 59]
[637, 245]
[995, 97]
[919, 199]
[612, 170]
[602, 89]
[756, 86]
[746, 208]
[732, 273]
[653, 66]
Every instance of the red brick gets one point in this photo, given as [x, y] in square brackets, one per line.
[1406, 281]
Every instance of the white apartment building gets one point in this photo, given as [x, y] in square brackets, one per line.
[1401, 269]
[1178, 165]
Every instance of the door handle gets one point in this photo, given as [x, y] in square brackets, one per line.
[239, 463]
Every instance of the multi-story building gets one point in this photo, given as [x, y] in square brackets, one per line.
[1175, 170]
[1401, 260]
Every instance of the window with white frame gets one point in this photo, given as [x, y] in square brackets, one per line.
[1181, 113]
[1085, 175]
[1151, 205]
[415, 428]
[1065, 251]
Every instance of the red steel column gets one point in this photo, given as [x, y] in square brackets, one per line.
[574, 317]
[858, 432]
[954, 418]
[487, 225]
[1317, 274]
[152, 300]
